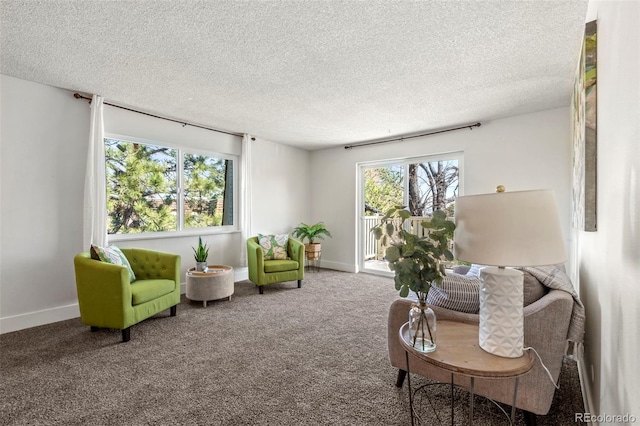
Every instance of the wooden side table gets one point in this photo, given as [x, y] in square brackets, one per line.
[216, 283]
[458, 352]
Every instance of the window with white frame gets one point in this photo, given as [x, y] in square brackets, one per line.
[153, 188]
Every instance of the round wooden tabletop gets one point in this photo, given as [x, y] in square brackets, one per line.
[458, 351]
[211, 270]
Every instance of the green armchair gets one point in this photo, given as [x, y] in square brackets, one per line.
[263, 272]
[108, 300]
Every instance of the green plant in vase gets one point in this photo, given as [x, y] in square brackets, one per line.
[312, 233]
[201, 254]
[418, 263]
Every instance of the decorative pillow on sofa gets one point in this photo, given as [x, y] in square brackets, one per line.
[274, 246]
[532, 288]
[114, 255]
[456, 292]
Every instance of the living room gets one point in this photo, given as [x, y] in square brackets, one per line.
[42, 203]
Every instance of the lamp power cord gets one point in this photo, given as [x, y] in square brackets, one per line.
[543, 366]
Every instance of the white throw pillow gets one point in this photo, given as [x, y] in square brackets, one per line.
[274, 246]
[113, 255]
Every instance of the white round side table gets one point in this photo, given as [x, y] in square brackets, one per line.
[216, 283]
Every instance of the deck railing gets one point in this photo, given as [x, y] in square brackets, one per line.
[373, 249]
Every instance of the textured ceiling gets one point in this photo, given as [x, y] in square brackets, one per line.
[311, 74]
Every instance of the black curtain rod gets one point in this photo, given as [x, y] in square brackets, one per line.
[79, 96]
[468, 126]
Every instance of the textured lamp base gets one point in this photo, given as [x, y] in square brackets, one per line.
[501, 316]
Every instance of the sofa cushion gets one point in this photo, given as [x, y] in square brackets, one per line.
[274, 246]
[456, 292]
[114, 255]
[146, 290]
[474, 270]
[532, 288]
[280, 265]
[462, 292]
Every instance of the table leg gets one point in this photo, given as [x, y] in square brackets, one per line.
[513, 406]
[406, 354]
[204, 303]
[471, 401]
[452, 399]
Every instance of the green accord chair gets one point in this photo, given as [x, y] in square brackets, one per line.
[108, 299]
[263, 272]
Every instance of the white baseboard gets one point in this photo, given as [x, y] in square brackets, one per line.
[241, 273]
[62, 313]
[587, 392]
[338, 266]
[34, 319]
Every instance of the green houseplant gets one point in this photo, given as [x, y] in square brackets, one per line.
[312, 233]
[417, 262]
[201, 254]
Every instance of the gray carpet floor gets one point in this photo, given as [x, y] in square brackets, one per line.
[310, 356]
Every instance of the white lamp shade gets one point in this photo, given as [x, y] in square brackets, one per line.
[518, 228]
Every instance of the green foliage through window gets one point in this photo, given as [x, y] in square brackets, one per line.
[383, 189]
[204, 185]
[143, 188]
[430, 186]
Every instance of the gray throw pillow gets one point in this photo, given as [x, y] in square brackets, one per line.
[457, 293]
[533, 289]
[462, 292]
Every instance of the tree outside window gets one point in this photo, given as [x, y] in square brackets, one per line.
[430, 186]
[205, 179]
[144, 192]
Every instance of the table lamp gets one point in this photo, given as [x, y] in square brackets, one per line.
[519, 228]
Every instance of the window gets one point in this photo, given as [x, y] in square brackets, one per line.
[422, 184]
[208, 199]
[153, 188]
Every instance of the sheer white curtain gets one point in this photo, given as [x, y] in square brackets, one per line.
[245, 197]
[95, 194]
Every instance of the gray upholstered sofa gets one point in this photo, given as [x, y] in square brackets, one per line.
[546, 322]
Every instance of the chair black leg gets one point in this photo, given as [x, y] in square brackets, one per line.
[400, 380]
[126, 334]
[529, 418]
[261, 289]
[94, 329]
[173, 310]
[299, 283]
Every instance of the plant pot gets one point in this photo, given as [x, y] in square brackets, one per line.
[201, 266]
[313, 251]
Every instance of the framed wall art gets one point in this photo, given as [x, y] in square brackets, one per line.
[585, 135]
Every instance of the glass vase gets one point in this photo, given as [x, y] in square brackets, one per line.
[422, 328]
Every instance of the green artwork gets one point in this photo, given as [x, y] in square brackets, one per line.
[585, 135]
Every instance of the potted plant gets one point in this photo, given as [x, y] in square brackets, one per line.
[417, 263]
[312, 233]
[200, 254]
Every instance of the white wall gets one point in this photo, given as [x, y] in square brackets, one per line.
[280, 197]
[529, 151]
[128, 123]
[608, 260]
[44, 134]
[43, 164]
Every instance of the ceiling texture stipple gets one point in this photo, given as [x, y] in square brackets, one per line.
[311, 74]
